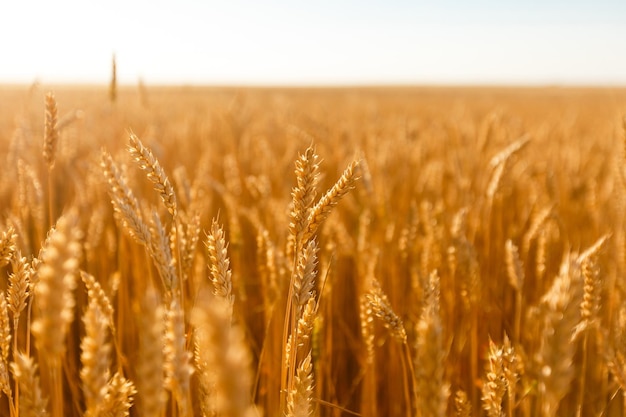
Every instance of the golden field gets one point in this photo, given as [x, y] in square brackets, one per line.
[265, 252]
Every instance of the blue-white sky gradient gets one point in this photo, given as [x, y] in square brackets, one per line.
[314, 42]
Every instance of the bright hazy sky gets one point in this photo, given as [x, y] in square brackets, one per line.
[314, 42]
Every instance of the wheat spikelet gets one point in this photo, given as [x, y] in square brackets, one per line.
[97, 295]
[7, 246]
[95, 358]
[148, 163]
[512, 367]
[54, 290]
[494, 387]
[119, 397]
[300, 398]
[381, 308]
[178, 369]
[304, 331]
[304, 280]
[51, 136]
[32, 403]
[462, 404]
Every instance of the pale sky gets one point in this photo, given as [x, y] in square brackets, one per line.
[314, 42]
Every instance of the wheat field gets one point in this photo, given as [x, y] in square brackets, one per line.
[312, 252]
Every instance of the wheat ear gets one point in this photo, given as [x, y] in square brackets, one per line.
[494, 386]
[381, 307]
[51, 137]
[119, 397]
[31, 401]
[96, 293]
[95, 358]
[7, 246]
[303, 195]
[300, 398]
[462, 405]
[320, 211]
[55, 301]
[124, 202]
[155, 173]
[219, 264]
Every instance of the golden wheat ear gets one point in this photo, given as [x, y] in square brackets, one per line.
[32, 402]
[320, 211]
[95, 357]
[155, 173]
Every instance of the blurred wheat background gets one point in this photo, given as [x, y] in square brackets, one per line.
[304, 252]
